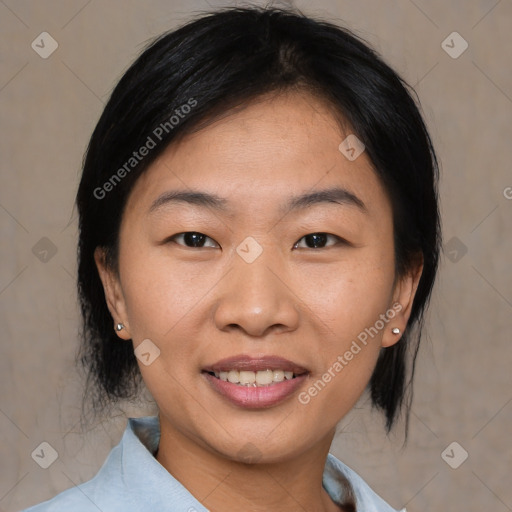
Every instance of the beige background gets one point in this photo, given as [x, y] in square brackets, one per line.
[463, 388]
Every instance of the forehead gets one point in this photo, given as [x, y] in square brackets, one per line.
[272, 149]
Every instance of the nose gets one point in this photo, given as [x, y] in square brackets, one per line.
[257, 298]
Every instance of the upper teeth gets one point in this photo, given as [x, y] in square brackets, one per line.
[249, 378]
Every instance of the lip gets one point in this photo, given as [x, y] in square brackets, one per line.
[249, 397]
[255, 363]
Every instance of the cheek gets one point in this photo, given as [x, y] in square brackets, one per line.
[157, 293]
[350, 295]
[350, 305]
[167, 301]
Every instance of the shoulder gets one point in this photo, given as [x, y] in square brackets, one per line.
[365, 497]
[106, 491]
[103, 492]
[71, 499]
[130, 480]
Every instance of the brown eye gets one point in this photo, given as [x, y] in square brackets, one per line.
[192, 239]
[318, 240]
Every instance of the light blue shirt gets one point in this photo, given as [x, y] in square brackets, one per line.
[132, 480]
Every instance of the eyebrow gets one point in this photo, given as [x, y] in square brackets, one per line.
[335, 195]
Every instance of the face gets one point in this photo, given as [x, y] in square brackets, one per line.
[293, 299]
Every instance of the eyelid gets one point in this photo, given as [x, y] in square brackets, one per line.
[340, 240]
[172, 237]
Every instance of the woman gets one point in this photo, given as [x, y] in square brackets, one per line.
[259, 235]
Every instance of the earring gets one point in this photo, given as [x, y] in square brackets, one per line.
[119, 327]
[395, 330]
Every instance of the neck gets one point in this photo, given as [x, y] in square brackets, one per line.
[285, 486]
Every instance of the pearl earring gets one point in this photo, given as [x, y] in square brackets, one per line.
[395, 330]
[119, 327]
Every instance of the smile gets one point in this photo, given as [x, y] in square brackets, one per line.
[254, 379]
[255, 383]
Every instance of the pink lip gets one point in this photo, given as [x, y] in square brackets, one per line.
[245, 362]
[255, 397]
[250, 397]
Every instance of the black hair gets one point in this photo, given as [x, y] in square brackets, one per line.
[207, 68]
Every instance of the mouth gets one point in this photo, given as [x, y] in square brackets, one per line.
[260, 378]
[255, 382]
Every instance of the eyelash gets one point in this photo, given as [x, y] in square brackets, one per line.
[340, 240]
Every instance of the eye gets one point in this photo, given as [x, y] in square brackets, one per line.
[192, 239]
[318, 240]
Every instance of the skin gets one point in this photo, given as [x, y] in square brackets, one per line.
[306, 304]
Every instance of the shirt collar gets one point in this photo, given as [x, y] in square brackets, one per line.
[142, 471]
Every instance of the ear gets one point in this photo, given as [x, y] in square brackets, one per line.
[403, 296]
[113, 293]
